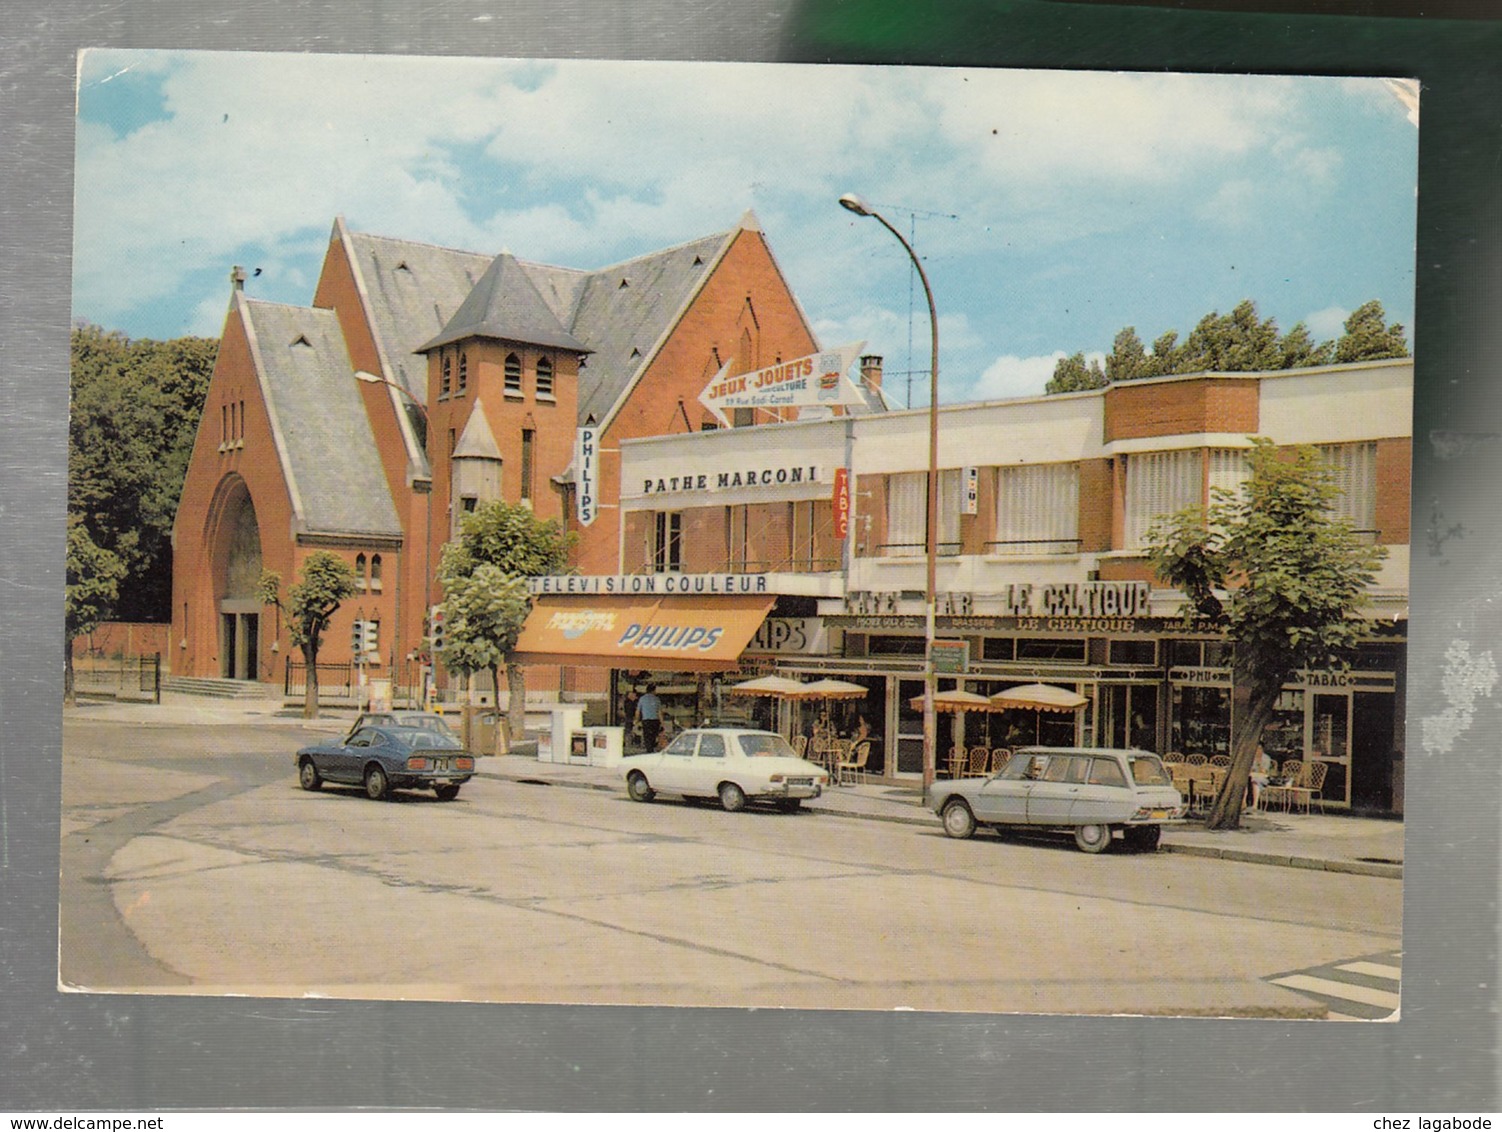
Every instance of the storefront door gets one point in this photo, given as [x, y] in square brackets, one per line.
[1330, 743]
[908, 742]
[1127, 716]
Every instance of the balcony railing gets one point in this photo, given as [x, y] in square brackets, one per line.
[1025, 546]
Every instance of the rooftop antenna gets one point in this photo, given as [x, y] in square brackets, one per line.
[912, 279]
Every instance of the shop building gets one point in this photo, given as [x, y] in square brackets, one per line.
[1042, 573]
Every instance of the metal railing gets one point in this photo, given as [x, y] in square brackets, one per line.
[123, 677]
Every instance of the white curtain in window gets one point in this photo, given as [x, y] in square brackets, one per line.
[907, 513]
[1229, 469]
[1354, 467]
[1160, 483]
[1038, 509]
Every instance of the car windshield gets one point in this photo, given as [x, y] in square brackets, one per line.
[426, 721]
[420, 738]
[765, 744]
[1147, 770]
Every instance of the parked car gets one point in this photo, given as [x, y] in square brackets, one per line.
[383, 759]
[1092, 791]
[735, 765]
[430, 720]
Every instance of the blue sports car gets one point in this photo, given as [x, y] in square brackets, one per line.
[383, 759]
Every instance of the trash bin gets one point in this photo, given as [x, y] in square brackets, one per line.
[565, 721]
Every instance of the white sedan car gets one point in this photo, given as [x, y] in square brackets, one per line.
[734, 765]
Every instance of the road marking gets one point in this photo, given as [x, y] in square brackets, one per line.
[1331, 989]
[1376, 970]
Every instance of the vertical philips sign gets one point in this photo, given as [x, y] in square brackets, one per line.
[586, 457]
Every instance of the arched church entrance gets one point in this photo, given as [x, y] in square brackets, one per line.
[238, 555]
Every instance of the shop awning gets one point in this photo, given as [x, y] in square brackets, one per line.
[661, 634]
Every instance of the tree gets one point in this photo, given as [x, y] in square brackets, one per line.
[1368, 337]
[1128, 358]
[133, 418]
[327, 580]
[482, 615]
[1281, 575]
[1301, 351]
[93, 584]
[1072, 374]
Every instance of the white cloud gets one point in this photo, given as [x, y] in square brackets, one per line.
[1327, 323]
[1012, 376]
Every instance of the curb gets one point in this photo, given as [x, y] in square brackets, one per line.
[1245, 856]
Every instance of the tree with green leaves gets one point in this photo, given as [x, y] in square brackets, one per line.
[483, 574]
[133, 417]
[93, 584]
[1072, 374]
[1281, 575]
[1369, 337]
[327, 581]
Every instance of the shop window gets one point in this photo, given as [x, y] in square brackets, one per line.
[375, 573]
[1051, 648]
[360, 581]
[1038, 509]
[545, 378]
[895, 646]
[998, 648]
[446, 381]
[1134, 652]
[513, 376]
[1159, 484]
[907, 514]
[529, 437]
[1353, 469]
[667, 542]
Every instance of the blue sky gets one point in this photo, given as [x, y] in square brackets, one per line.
[1050, 208]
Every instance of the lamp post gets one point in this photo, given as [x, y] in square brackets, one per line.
[854, 204]
[427, 534]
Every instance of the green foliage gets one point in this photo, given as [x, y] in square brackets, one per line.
[93, 581]
[483, 615]
[327, 581]
[1280, 574]
[134, 416]
[1367, 336]
[510, 537]
[1073, 374]
[1239, 342]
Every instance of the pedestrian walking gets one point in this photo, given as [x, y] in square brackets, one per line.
[649, 712]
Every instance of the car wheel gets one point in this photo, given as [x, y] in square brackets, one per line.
[1144, 837]
[639, 788]
[446, 793]
[732, 798]
[1093, 838]
[308, 776]
[959, 822]
[377, 785]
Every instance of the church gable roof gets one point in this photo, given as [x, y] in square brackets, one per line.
[625, 310]
[323, 435]
[506, 304]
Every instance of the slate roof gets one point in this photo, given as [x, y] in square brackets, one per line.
[506, 304]
[323, 436]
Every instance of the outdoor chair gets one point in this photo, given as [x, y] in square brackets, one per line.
[855, 761]
[1195, 760]
[800, 745]
[980, 762]
[999, 759]
[1220, 760]
[958, 760]
[1308, 786]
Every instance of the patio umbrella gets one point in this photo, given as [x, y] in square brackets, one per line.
[956, 700]
[828, 689]
[777, 686]
[1038, 698]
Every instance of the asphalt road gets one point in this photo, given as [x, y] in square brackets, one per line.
[193, 863]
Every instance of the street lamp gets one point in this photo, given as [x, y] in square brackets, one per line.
[427, 535]
[854, 204]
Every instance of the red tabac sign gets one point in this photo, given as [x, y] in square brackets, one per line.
[841, 502]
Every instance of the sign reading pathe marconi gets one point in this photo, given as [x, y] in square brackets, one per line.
[586, 461]
[818, 379]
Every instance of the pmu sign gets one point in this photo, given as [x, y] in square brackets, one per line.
[586, 468]
[841, 502]
[818, 379]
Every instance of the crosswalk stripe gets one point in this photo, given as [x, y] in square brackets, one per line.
[1376, 970]
[1349, 991]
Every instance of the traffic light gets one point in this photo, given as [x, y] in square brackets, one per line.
[435, 628]
[356, 639]
[370, 640]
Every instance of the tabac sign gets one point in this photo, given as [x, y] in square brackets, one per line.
[586, 464]
[818, 379]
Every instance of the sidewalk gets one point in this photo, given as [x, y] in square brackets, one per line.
[1332, 842]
